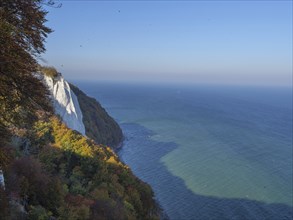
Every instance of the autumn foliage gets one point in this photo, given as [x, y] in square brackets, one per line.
[71, 177]
[51, 171]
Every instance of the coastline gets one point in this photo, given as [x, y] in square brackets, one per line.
[146, 151]
[162, 213]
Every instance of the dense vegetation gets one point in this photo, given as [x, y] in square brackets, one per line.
[22, 33]
[52, 172]
[48, 71]
[98, 124]
[68, 176]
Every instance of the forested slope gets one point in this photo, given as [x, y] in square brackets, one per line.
[51, 171]
[67, 176]
[98, 124]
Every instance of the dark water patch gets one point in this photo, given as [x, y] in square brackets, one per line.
[144, 155]
[232, 143]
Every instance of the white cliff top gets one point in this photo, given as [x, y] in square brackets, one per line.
[64, 101]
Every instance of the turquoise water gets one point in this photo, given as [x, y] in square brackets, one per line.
[208, 152]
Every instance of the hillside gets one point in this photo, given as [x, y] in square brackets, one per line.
[98, 124]
[48, 169]
[53, 171]
[63, 99]
[78, 111]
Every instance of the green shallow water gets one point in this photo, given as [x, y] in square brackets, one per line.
[212, 167]
[208, 152]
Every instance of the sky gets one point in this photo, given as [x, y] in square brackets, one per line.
[216, 42]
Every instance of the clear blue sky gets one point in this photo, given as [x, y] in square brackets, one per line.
[240, 42]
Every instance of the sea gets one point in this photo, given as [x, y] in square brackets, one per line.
[208, 151]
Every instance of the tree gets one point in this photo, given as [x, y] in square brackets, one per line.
[22, 36]
[4, 205]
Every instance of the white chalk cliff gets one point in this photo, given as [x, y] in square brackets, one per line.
[2, 184]
[64, 101]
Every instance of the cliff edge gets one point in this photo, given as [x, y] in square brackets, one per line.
[98, 124]
[80, 112]
[64, 101]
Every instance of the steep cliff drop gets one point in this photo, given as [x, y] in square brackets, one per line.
[99, 125]
[82, 113]
[64, 101]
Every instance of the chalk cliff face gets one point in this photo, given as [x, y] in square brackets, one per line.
[65, 102]
[2, 184]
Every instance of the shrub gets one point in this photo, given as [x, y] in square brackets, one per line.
[48, 71]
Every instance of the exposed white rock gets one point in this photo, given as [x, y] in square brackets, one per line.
[2, 184]
[64, 101]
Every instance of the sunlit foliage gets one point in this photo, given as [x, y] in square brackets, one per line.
[52, 172]
[71, 177]
[48, 71]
